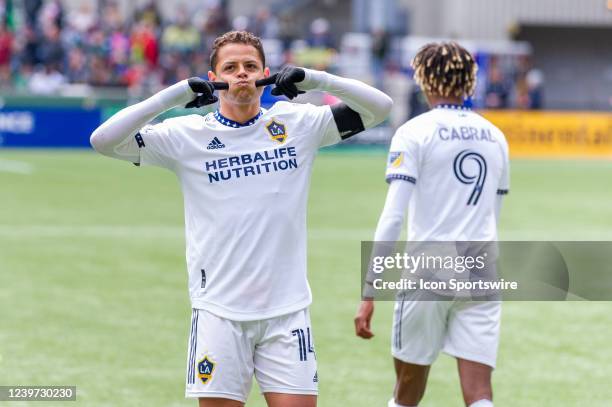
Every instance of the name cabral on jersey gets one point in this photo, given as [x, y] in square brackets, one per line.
[465, 133]
[251, 164]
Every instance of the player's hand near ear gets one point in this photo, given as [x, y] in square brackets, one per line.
[204, 91]
[286, 81]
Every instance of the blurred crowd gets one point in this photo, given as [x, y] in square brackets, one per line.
[519, 85]
[43, 45]
[102, 47]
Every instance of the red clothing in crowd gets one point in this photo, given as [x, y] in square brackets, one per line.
[6, 47]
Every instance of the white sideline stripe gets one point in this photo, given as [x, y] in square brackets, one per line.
[155, 232]
[174, 232]
[152, 232]
[16, 167]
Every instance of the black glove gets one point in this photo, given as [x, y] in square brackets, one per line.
[205, 91]
[286, 80]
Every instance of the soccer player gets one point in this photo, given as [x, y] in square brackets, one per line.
[244, 173]
[449, 166]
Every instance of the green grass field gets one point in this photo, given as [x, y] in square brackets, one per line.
[93, 283]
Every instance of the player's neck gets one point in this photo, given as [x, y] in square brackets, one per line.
[239, 113]
[438, 101]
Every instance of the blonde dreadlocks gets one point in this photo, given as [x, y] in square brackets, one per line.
[445, 69]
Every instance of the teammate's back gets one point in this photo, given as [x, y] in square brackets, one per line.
[459, 163]
[449, 168]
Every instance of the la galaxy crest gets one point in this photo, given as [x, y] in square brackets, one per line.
[277, 131]
[205, 369]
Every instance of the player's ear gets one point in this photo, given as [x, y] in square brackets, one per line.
[212, 76]
[266, 72]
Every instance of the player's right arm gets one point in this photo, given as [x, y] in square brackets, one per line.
[387, 233]
[402, 175]
[116, 136]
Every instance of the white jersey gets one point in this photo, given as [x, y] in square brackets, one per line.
[245, 190]
[458, 162]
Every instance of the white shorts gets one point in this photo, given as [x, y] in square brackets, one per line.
[463, 329]
[223, 355]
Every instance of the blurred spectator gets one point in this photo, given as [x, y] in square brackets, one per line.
[218, 21]
[521, 93]
[497, 92]
[183, 71]
[97, 43]
[135, 75]
[287, 30]
[22, 78]
[319, 36]
[111, 16]
[47, 80]
[417, 103]
[51, 50]
[200, 63]
[144, 43]
[181, 36]
[141, 78]
[150, 14]
[32, 8]
[28, 46]
[240, 23]
[83, 18]
[535, 86]
[380, 49]
[264, 24]
[52, 13]
[528, 84]
[6, 52]
[76, 69]
[119, 54]
[100, 71]
[7, 14]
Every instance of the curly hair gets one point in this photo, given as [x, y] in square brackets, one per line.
[236, 37]
[445, 69]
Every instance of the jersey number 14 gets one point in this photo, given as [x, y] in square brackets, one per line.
[301, 338]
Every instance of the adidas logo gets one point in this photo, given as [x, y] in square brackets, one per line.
[215, 144]
[315, 379]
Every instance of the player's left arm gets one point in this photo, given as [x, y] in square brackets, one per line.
[362, 106]
[504, 183]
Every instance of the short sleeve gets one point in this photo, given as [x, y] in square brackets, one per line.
[157, 146]
[403, 159]
[322, 121]
[504, 181]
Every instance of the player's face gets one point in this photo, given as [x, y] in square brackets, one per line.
[240, 66]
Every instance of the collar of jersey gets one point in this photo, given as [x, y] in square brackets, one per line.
[231, 123]
[449, 106]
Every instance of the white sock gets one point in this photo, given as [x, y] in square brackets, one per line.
[482, 403]
[392, 403]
